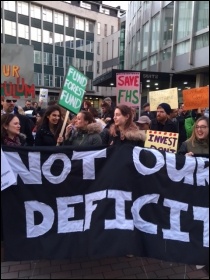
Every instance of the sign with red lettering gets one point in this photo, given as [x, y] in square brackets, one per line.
[17, 71]
[162, 141]
[128, 89]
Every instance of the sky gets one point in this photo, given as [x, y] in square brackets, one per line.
[122, 4]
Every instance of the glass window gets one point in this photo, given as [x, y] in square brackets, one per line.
[58, 18]
[58, 60]
[202, 41]
[59, 39]
[69, 61]
[112, 29]
[80, 24]
[36, 34]
[23, 31]
[80, 64]
[155, 33]
[145, 39]
[48, 80]
[69, 21]
[166, 54]
[89, 26]
[98, 47]
[9, 5]
[153, 60]
[23, 8]
[48, 37]
[133, 57]
[47, 15]
[203, 15]
[69, 42]
[105, 29]
[59, 81]
[48, 59]
[10, 28]
[138, 46]
[144, 64]
[184, 19]
[35, 11]
[99, 28]
[89, 65]
[37, 79]
[167, 27]
[79, 44]
[37, 57]
[98, 67]
[89, 46]
[182, 48]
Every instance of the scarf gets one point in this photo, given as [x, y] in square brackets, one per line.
[12, 142]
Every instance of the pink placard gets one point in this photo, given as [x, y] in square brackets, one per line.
[128, 89]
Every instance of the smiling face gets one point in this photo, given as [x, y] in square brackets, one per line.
[119, 119]
[13, 128]
[54, 117]
[201, 130]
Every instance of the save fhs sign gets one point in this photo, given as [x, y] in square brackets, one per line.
[128, 88]
[73, 90]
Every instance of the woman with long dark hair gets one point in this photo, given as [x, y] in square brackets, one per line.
[50, 127]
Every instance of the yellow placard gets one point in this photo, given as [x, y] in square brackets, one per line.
[195, 98]
[161, 140]
[169, 96]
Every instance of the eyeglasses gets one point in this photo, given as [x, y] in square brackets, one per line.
[201, 126]
[9, 101]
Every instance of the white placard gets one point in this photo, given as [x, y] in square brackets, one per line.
[7, 175]
[43, 95]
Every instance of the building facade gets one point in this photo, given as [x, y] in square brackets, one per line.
[62, 33]
[170, 37]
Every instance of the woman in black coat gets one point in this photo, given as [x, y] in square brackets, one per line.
[49, 130]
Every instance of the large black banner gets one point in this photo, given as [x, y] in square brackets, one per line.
[103, 202]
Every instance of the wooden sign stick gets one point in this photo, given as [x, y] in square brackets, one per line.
[63, 126]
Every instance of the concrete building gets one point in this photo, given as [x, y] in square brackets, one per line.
[62, 33]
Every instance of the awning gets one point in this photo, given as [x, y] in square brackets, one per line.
[154, 80]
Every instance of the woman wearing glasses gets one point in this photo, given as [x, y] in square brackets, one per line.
[198, 143]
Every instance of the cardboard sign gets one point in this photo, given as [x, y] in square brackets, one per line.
[128, 89]
[43, 95]
[7, 176]
[169, 96]
[73, 90]
[195, 98]
[161, 140]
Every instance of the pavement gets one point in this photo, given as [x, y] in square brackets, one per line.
[106, 268]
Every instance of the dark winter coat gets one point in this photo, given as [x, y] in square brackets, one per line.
[89, 137]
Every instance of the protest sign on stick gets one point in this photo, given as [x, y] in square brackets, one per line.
[169, 96]
[195, 98]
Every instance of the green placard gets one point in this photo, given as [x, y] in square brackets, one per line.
[73, 90]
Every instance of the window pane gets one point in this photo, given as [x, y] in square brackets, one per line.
[166, 54]
[80, 24]
[58, 18]
[155, 33]
[35, 11]
[203, 15]
[167, 27]
[9, 5]
[23, 31]
[184, 19]
[48, 37]
[202, 41]
[79, 44]
[35, 34]
[47, 15]
[37, 57]
[23, 8]
[10, 27]
[182, 48]
[69, 42]
[145, 38]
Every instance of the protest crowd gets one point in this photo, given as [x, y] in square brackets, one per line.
[110, 125]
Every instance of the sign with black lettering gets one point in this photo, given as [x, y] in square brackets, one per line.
[71, 203]
[161, 140]
[73, 90]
